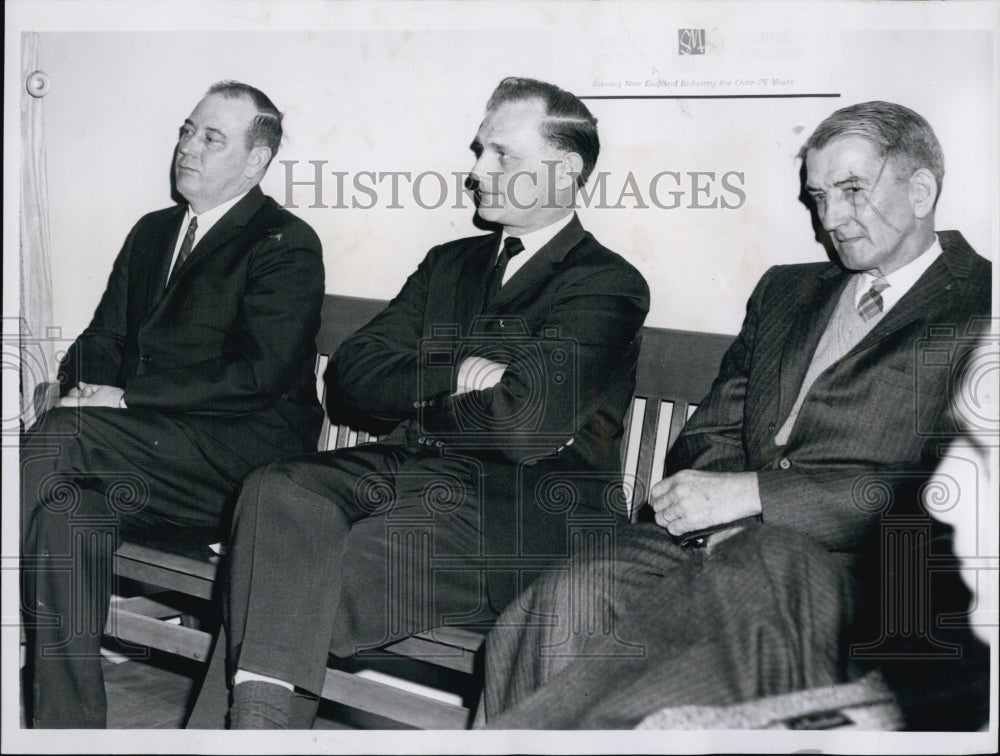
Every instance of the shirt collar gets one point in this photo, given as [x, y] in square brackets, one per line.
[209, 218]
[535, 240]
[900, 281]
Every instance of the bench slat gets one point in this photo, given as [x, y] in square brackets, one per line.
[434, 646]
[155, 633]
[165, 569]
[677, 420]
[396, 704]
[644, 469]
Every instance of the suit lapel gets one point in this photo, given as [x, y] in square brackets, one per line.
[928, 298]
[225, 229]
[804, 335]
[162, 258]
[476, 268]
[540, 266]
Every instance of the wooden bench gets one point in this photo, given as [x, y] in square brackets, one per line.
[675, 371]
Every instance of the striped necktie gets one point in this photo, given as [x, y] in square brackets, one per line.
[186, 246]
[870, 303]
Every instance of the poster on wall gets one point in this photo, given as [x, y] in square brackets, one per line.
[700, 168]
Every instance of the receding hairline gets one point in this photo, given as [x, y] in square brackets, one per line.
[546, 116]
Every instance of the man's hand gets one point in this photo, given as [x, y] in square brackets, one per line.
[92, 395]
[478, 373]
[693, 500]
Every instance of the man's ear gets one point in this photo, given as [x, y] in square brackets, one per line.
[570, 167]
[923, 192]
[260, 156]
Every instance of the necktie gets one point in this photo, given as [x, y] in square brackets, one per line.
[511, 246]
[186, 246]
[870, 304]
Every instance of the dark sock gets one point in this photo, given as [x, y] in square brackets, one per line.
[259, 705]
[304, 708]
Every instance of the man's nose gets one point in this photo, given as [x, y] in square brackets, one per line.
[834, 212]
[476, 173]
[484, 172]
[188, 144]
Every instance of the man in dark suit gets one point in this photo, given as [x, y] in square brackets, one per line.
[197, 366]
[501, 373]
[824, 409]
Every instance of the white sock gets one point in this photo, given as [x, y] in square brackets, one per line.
[243, 676]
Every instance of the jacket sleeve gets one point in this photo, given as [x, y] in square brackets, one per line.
[375, 374]
[554, 378]
[712, 438]
[836, 507]
[265, 345]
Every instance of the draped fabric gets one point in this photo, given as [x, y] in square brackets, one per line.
[37, 350]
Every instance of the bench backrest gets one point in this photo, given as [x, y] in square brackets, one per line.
[676, 369]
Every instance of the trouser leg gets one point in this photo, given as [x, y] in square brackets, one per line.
[283, 578]
[331, 552]
[85, 474]
[767, 612]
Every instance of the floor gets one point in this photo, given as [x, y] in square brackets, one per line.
[155, 694]
[151, 694]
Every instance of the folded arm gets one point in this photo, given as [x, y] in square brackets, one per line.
[519, 393]
[553, 378]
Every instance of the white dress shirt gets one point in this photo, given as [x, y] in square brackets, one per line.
[532, 242]
[205, 222]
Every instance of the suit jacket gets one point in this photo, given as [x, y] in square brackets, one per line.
[873, 418]
[229, 343]
[566, 323]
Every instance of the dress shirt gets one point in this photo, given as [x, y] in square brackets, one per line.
[532, 242]
[900, 281]
[205, 222]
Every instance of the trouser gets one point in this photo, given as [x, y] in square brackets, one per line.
[343, 551]
[332, 553]
[601, 643]
[86, 474]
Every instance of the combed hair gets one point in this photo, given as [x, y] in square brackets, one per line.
[265, 128]
[897, 131]
[568, 125]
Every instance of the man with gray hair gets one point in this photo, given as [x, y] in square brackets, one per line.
[197, 366]
[790, 480]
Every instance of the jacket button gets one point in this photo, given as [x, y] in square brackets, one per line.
[784, 464]
[420, 439]
[145, 358]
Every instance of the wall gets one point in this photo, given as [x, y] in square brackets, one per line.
[383, 100]
[374, 87]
